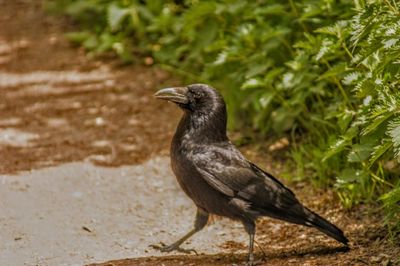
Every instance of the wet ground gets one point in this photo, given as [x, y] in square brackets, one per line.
[85, 176]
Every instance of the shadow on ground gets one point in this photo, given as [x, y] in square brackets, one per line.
[267, 258]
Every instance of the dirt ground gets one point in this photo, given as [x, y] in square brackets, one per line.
[85, 174]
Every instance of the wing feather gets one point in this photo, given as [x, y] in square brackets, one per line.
[226, 170]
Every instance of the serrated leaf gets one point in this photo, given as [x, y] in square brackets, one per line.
[324, 49]
[365, 87]
[394, 133]
[330, 30]
[392, 198]
[379, 150]
[376, 123]
[351, 77]
[337, 147]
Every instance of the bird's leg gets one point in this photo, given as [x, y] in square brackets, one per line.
[250, 228]
[200, 223]
[251, 245]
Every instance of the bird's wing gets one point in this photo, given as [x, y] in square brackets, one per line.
[226, 170]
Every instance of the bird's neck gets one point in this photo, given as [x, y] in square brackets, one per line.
[202, 128]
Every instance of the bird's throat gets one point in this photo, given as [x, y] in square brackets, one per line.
[202, 128]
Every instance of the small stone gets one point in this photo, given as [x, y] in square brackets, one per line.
[100, 121]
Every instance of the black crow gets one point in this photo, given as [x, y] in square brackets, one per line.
[219, 179]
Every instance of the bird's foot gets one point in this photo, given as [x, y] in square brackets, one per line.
[253, 263]
[168, 248]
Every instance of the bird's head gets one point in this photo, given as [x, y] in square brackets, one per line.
[205, 111]
[196, 98]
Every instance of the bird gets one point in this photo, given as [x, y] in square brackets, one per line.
[219, 179]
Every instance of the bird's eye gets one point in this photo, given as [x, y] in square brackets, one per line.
[196, 97]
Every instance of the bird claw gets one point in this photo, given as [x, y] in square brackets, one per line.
[161, 247]
[168, 248]
[253, 263]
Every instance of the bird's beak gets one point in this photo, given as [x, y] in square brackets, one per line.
[176, 95]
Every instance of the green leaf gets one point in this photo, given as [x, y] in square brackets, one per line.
[341, 143]
[115, 15]
[76, 8]
[252, 83]
[391, 198]
[377, 122]
[337, 147]
[282, 120]
[78, 37]
[271, 9]
[330, 30]
[365, 87]
[350, 175]
[205, 36]
[380, 150]
[257, 69]
[359, 153]
[344, 119]
[394, 133]
[91, 43]
[335, 71]
[266, 98]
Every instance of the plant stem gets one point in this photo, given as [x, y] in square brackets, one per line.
[391, 7]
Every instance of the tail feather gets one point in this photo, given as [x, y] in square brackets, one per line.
[326, 227]
[299, 214]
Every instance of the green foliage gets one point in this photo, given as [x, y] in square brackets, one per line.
[391, 204]
[327, 72]
[358, 61]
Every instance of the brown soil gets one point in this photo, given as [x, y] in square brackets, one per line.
[71, 108]
[287, 244]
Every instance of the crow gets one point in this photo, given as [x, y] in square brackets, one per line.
[219, 179]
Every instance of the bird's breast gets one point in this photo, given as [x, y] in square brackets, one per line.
[184, 169]
[192, 183]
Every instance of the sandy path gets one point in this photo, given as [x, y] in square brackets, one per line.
[79, 213]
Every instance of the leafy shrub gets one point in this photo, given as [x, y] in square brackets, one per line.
[358, 61]
[327, 72]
